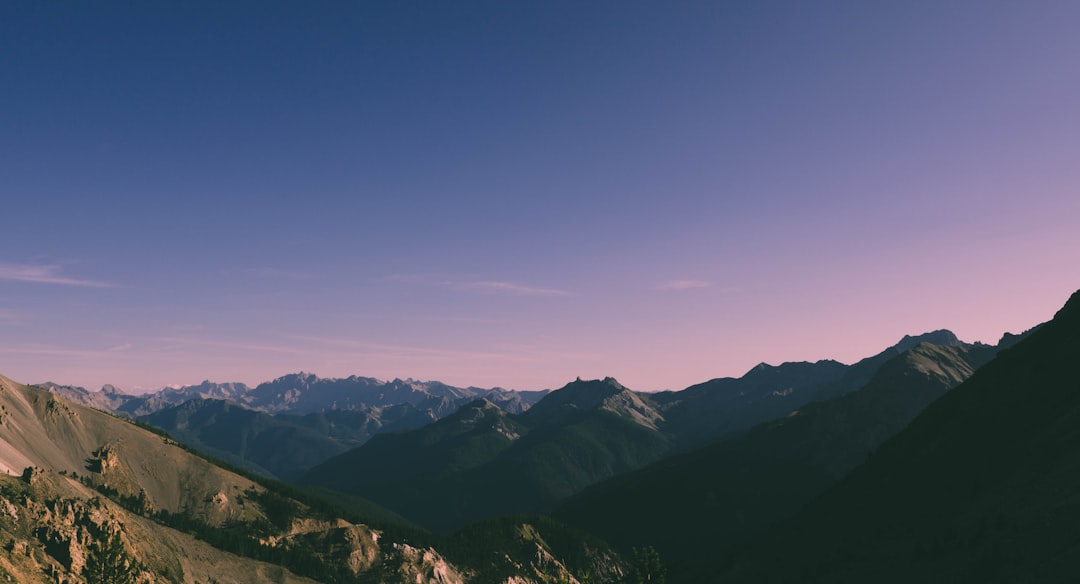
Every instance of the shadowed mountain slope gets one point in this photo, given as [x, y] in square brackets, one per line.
[482, 462]
[727, 406]
[279, 446]
[981, 487]
[716, 494]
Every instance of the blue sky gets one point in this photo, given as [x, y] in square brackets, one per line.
[516, 194]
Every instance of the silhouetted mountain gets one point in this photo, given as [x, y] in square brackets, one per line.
[714, 495]
[728, 406]
[482, 462]
[981, 487]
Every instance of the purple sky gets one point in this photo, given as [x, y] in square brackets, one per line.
[518, 194]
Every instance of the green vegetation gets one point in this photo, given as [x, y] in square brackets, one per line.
[646, 567]
[108, 562]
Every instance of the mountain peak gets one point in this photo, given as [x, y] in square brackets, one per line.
[1071, 310]
[942, 337]
[593, 395]
[606, 386]
[109, 389]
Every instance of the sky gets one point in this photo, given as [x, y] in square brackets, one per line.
[516, 194]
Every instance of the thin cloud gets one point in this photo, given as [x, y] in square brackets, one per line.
[510, 288]
[684, 285]
[44, 274]
[54, 351]
[399, 350]
[277, 273]
[483, 286]
[180, 341]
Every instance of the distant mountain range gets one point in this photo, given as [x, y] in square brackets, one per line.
[768, 392]
[303, 393]
[283, 427]
[281, 446]
[483, 462]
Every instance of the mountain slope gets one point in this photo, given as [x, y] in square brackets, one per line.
[726, 407]
[482, 462]
[981, 487]
[718, 493]
[278, 446]
[88, 496]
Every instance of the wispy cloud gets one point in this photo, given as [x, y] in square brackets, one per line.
[56, 351]
[482, 286]
[684, 284]
[510, 288]
[399, 350]
[44, 274]
[279, 274]
[258, 347]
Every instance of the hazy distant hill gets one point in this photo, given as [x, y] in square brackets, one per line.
[981, 487]
[303, 393]
[714, 495]
[86, 496]
[482, 462]
[283, 427]
[109, 398]
[284, 445]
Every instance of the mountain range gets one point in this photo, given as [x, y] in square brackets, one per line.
[981, 487]
[89, 497]
[934, 460]
[483, 462]
[303, 393]
[283, 427]
[717, 494]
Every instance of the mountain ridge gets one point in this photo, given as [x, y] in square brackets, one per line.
[102, 498]
[980, 485]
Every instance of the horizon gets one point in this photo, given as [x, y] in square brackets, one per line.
[254, 384]
[516, 196]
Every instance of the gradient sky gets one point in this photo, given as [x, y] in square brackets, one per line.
[519, 193]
